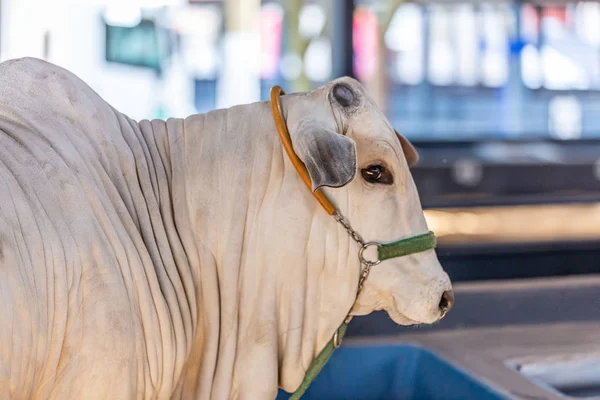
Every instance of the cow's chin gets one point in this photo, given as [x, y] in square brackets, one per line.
[395, 315]
[400, 318]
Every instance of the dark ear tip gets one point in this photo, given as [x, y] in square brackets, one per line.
[344, 94]
[332, 185]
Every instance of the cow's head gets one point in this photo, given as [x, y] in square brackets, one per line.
[362, 163]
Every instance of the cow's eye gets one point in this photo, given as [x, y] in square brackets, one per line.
[377, 174]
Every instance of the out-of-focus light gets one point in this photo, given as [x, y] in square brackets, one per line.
[317, 60]
[405, 36]
[564, 117]
[495, 70]
[560, 72]
[553, 29]
[311, 20]
[441, 57]
[202, 21]
[409, 69]
[588, 22]
[515, 224]
[199, 28]
[466, 223]
[531, 67]
[466, 42]
[200, 57]
[467, 172]
[405, 29]
[239, 74]
[495, 56]
[291, 66]
[123, 15]
[130, 3]
[441, 61]
[438, 222]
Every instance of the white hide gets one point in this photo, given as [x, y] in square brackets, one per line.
[184, 259]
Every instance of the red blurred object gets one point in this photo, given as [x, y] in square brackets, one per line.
[560, 13]
[365, 43]
[271, 20]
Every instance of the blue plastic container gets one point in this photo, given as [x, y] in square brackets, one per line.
[390, 372]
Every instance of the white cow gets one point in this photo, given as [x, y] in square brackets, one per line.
[186, 259]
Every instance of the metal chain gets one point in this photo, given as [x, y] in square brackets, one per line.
[363, 276]
[353, 234]
[365, 264]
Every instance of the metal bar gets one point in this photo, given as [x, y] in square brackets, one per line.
[343, 53]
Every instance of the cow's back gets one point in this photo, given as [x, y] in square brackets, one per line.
[66, 312]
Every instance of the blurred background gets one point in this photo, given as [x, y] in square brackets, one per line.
[501, 98]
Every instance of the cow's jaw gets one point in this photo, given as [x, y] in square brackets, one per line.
[409, 289]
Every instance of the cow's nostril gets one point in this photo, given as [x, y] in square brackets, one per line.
[447, 301]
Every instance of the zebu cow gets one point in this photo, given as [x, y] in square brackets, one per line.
[186, 259]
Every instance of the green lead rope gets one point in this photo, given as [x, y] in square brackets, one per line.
[317, 365]
[404, 247]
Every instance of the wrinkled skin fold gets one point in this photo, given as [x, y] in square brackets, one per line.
[185, 258]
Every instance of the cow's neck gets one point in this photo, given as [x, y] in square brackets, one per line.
[250, 223]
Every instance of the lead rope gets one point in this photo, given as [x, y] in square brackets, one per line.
[319, 362]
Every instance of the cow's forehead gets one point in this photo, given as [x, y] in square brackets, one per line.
[365, 120]
[368, 120]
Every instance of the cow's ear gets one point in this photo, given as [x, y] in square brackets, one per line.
[329, 157]
[411, 154]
